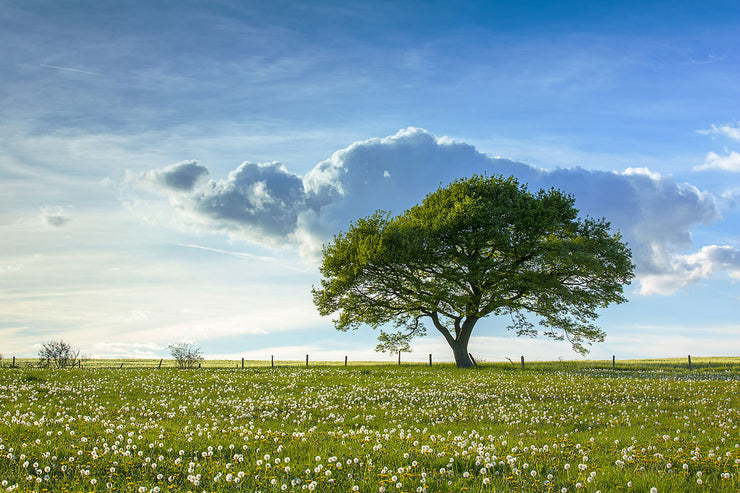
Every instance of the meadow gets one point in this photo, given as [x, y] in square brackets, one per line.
[554, 427]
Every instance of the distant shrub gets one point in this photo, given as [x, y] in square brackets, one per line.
[186, 354]
[59, 354]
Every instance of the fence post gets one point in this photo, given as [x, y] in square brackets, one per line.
[430, 359]
[399, 358]
[199, 366]
[160, 363]
[473, 360]
[710, 365]
[13, 362]
[522, 362]
[345, 361]
[613, 362]
[306, 361]
[272, 361]
[690, 362]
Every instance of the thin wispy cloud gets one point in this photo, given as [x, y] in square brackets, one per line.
[727, 130]
[69, 69]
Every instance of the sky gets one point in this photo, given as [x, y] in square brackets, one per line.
[170, 170]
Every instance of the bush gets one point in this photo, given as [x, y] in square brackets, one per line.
[186, 354]
[59, 354]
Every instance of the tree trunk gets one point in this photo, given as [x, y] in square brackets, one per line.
[459, 344]
[462, 358]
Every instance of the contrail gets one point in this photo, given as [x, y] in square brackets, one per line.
[72, 70]
[227, 252]
[240, 254]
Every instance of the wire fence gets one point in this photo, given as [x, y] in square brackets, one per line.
[688, 363]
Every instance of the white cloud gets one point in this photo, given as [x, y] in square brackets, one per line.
[268, 204]
[727, 130]
[729, 162]
[682, 270]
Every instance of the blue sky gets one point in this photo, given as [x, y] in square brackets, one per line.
[169, 170]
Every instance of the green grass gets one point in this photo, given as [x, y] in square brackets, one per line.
[578, 426]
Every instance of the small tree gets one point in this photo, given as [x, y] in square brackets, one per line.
[59, 354]
[481, 246]
[186, 354]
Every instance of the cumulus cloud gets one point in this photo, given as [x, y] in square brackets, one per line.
[269, 204]
[263, 199]
[681, 270]
[179, 177]
[728, 162]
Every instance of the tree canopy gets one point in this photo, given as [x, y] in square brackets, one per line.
[480, 246]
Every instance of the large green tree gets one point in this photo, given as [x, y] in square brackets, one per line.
[480, 246]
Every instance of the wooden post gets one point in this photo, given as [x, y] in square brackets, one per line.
[13, 362]
[272, 361]
[345, 361]
[118, 368]
[613, 362]
[430, 359]
[710, 365]
[522, 362]
[473, 360]
[199, 366]
[306, 361]
[399, 358]
[690, 362]
[242, 363]
[160, 363]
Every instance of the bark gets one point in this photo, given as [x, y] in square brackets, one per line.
[459, 343]
[462, 358]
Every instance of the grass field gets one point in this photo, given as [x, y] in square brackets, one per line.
[554, 427]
